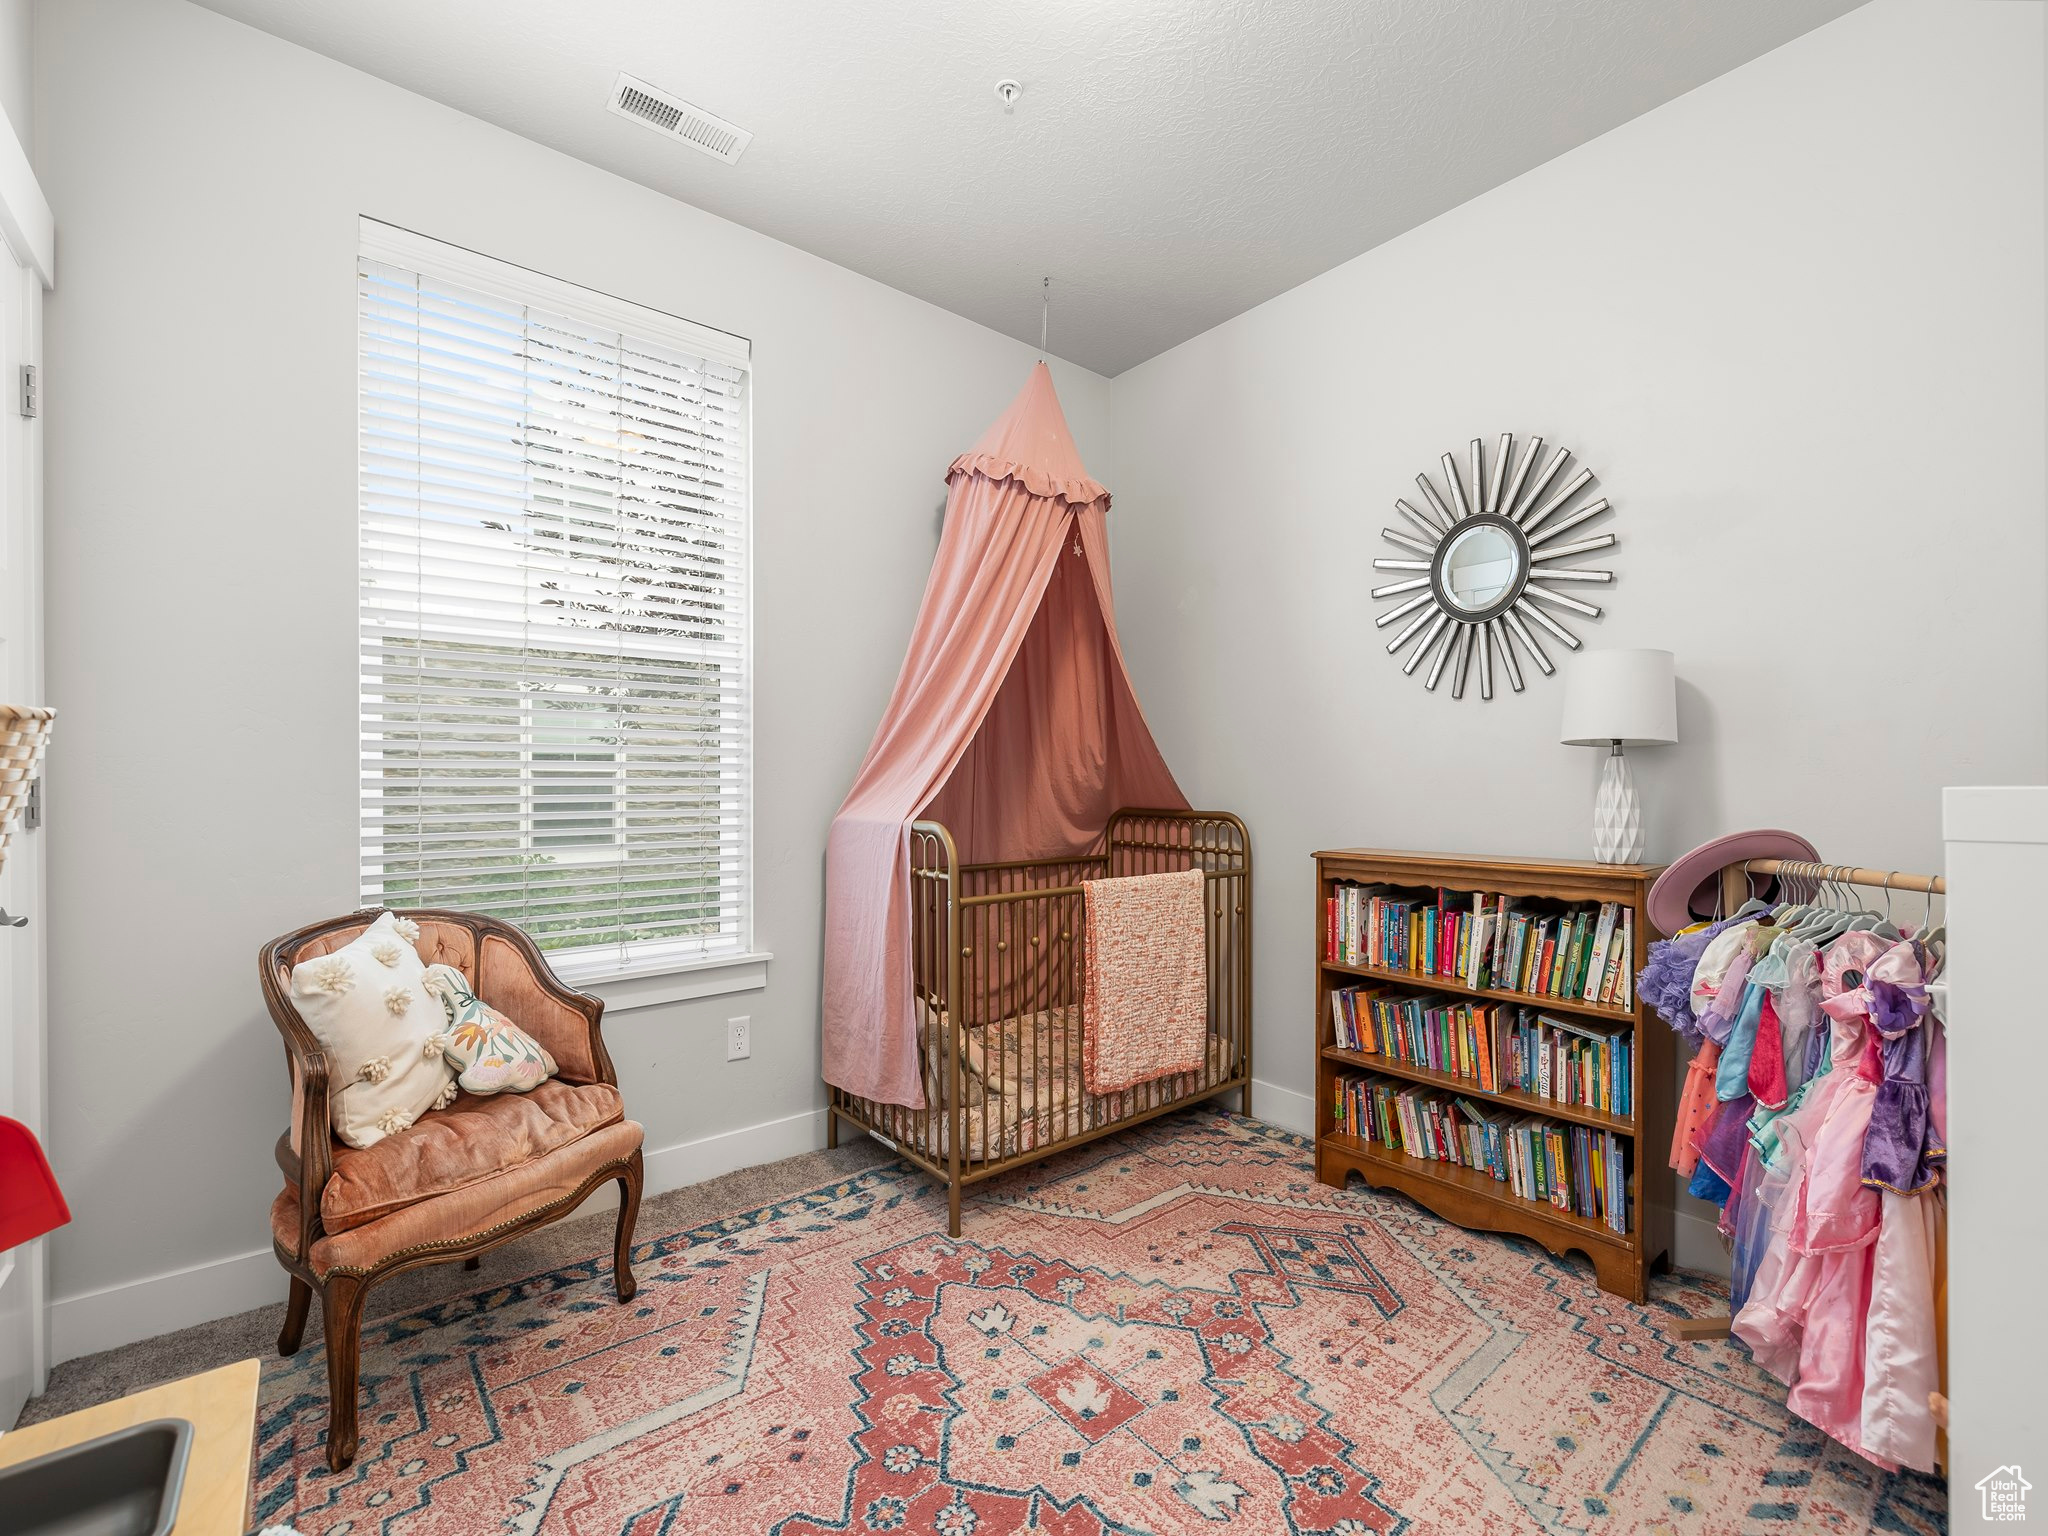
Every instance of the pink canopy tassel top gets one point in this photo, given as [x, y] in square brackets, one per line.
[1013, 722]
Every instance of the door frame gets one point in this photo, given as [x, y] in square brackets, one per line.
[29, 230]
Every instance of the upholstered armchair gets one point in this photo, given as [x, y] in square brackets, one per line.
[458, 1181]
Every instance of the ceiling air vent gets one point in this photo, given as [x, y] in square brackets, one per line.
[674, 118]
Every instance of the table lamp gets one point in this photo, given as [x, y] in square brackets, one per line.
[1617, 699]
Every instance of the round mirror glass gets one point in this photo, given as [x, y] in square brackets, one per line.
[1480, 565]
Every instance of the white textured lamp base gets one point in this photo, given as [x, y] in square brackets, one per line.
[1617, 814]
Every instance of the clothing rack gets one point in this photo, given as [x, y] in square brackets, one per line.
[1734, 891]
[1735, 878]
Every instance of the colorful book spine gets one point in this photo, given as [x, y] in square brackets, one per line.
[1603, 940]
[1625, 996]
[1581, 953]
[1611, 976]
[1569, 947]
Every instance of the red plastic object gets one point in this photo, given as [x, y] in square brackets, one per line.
[30, 1201]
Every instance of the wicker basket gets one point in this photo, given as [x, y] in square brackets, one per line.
[24, 732]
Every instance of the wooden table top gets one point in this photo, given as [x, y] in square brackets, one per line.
[221, 1406]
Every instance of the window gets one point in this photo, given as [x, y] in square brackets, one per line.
[556, 651]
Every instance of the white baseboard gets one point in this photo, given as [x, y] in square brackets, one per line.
[141, 1309]
[692, 1162]
[1284, 1107]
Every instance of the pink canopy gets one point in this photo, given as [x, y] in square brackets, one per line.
[1013, 722]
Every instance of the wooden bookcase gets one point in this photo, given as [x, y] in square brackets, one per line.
[1621, 1262]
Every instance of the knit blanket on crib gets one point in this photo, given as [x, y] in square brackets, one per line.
[1145, 995]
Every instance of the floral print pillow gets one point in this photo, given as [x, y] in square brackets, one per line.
[490, 1053]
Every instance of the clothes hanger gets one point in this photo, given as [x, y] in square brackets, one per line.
[1886, 928]
[1864, 918]
[1785, 914]
[1810, 912]
[1851, 909]
[1870, 920]
[1786, 906]
[1797, 912]
[1753, 907]
[1932, 936]
[1798, 904]
[1823, 908]
[1798, 899]
[1820, 912]
[1835, 920]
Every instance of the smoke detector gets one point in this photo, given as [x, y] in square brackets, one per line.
[673, 118]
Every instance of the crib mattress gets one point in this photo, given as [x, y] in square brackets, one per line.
[1034, 1096]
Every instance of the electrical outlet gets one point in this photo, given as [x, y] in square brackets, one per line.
[739, 1039]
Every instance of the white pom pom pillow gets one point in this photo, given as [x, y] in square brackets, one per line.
[384, 1034]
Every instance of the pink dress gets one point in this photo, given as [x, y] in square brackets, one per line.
[1816, 1217]
[1901, 1352]
[1835, 1228]
[1774, 1317]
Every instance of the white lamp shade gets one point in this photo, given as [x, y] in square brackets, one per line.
[1625, 696]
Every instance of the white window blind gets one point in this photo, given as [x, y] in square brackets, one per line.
[555, 659]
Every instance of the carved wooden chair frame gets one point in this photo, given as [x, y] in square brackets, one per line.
[343, 1290]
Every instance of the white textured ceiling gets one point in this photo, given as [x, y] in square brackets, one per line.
[1170, 164]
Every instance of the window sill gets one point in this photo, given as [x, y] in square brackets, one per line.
[641, 987]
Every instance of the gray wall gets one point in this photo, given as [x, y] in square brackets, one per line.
[201, 585]
[17, 69]
[1794, 321]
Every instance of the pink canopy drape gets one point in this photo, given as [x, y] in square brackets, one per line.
[1013, 721]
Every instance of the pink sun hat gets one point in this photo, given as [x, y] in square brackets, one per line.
[1689, 891]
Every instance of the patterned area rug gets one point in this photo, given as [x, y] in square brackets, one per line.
[1177, 1331]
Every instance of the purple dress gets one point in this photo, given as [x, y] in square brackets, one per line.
[1897, 1149]
[1666, 979]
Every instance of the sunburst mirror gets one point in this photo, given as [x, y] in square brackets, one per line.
[1481, 575]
